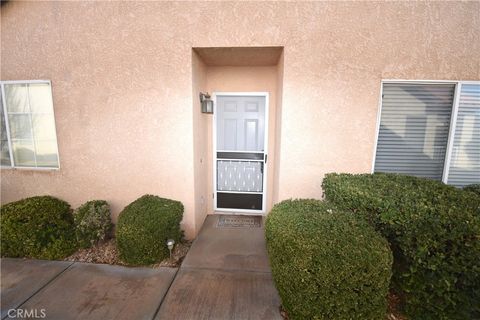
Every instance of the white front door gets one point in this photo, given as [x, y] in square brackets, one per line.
[240, 155]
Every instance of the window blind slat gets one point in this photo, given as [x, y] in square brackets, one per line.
[414, 127]
[465, 160]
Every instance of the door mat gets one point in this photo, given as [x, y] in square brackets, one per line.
[225, 221]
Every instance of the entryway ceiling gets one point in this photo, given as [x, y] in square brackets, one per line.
[240, 56]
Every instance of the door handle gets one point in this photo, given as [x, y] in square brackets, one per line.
[266, 156]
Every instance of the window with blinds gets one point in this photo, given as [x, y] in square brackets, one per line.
[417, 136]
[464, 166]
[414, 127]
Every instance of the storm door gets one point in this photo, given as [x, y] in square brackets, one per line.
[240, 157]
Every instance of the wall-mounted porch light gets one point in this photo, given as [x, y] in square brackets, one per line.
[206, 102]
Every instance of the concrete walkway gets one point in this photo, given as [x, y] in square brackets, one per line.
[225, 275]
[66, 290]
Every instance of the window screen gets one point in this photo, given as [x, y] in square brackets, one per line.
[465, 159]
[414, 128]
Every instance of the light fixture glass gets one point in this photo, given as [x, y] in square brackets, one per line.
[170, 244]
[206, 102]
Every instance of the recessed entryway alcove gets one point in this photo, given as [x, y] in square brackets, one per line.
[244, 74]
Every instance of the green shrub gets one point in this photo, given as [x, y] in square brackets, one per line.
[434, 232]
[92, 222]
[475, 188]
[38, 227]
[144, 227]
[327, 264]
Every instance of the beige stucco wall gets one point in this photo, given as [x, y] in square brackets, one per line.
[201, 151]
[123, 87]
[278, 130]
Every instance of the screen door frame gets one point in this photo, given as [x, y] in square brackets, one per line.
[265, 152]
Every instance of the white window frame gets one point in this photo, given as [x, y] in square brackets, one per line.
[7, 125]
[453, 118]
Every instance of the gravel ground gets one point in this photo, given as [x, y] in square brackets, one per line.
[393, 307]
[106, 252]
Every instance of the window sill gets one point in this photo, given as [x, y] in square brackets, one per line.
[29, 168]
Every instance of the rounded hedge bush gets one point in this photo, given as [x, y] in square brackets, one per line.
[327, 264]
[92, 222]
[434, 232]
[475, 188]
[38, 227]
[144, 226]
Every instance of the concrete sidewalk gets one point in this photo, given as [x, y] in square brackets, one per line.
[66, 290]
[225, 275]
